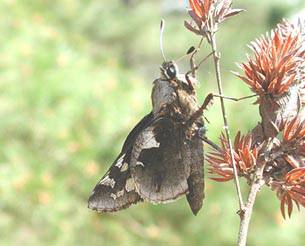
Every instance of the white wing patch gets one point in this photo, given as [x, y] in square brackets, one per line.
[140, 163]
[130, 185]
[117, 195]
[107, 181]
[119, 162]
[124, 167]
[152, 142]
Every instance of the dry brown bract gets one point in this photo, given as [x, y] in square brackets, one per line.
[207, 14]
[277, 60]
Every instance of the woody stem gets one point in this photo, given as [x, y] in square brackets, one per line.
[225, 121]
[245, 216]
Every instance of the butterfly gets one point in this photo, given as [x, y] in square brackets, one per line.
[162, 157]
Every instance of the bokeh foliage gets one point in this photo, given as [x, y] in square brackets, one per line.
[75, 76]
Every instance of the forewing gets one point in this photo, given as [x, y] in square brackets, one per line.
[157, 163]
[116, 189]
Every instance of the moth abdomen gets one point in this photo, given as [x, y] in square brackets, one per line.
[195, 194]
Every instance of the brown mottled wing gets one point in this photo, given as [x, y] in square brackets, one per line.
[115, 190]
[158, 164]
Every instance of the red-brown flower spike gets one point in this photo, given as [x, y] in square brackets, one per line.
[207, 14]
[293, 190]
[201, 8]
[277, 61]
[245, 157]
[294, 140]
[294, 130]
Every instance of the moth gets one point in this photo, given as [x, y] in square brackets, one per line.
[162, 157]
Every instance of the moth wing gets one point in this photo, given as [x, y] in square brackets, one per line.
[116, 189]
[157, 164]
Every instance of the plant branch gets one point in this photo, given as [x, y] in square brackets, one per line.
[234, 98]
[256, 185]
[245, 215]
[225, 121]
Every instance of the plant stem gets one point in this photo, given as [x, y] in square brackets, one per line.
[225, 121]
[245, 216]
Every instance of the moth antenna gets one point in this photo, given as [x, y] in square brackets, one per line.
[162, 25]
[189, 51]
[195, 68]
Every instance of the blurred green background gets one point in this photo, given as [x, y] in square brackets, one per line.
[75, 77]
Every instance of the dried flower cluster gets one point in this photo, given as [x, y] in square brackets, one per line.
[283, 160]
[277, 60]
[244, 154]
[293, 190]
[277, 143]
[273, 152]
[293, 139]
[207, 14]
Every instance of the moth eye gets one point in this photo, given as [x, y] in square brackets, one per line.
[171, 72]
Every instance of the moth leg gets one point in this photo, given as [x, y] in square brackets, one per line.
[209, 99]
[194, 68]
[189, 81]
[201, 134]
[234, 98]
[203, 107]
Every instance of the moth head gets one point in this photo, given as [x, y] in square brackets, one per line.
[169, 70]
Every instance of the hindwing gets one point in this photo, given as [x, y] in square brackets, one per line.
[158, 162]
